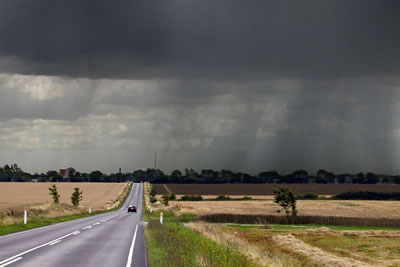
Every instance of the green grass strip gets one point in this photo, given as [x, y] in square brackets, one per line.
[173, 244]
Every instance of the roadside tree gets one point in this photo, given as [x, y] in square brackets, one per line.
[54, 194]
[165, 199]
[285, 198]
[76, 197]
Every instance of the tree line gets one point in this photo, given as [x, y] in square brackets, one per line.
[12, 173]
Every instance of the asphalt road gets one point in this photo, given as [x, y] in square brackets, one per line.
[114, 239]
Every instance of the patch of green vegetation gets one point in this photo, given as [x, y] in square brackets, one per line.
[243, 226]
[173, 244]
[41, 221]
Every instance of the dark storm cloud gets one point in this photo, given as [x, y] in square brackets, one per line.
[52, 98]
[197, 39]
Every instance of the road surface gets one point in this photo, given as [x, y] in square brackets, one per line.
[114, 239]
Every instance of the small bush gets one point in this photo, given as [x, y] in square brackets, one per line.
[365, 195]
[222, 197]
[165, 198]
[153, 192]
[153, 199]
[309, 196]
[191, 198]
[172, 196]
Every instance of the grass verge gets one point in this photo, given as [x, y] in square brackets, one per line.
[173, 244]
[41, 221]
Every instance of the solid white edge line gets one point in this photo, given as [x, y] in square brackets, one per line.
[14, 260]
[129, 262]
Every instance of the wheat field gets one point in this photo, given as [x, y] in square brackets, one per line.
[341, 208]
[24, 195]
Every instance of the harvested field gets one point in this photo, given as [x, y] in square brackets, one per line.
[22, 195]
[266, 189]
[340, 208]
[317, 247]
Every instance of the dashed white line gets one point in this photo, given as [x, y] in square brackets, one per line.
[96, 223]
[87, 227]
[76, 233]
[55, 242]
[14, 260]
[33, 249]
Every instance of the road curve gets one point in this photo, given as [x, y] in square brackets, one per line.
[114, 239]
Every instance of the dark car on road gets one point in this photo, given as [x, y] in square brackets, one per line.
[132, 209]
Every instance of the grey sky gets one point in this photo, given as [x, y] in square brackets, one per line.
[239, 85]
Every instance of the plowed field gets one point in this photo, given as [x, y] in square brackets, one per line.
[266, 189]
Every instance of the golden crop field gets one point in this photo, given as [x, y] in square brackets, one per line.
[340, 208]
[24, 195]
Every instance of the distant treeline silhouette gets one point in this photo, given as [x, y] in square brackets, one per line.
[12, 173]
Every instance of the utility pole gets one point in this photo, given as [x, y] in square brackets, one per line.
[155, 160]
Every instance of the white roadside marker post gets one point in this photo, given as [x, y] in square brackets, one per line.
[161, 218]
[25, 216]
[90, 210]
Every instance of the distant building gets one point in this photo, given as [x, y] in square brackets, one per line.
[63, 173]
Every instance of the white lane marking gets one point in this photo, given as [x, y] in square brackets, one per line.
[129, 262]
[14, 260]
[87, 227]
[76, 233]
[103, 220]
[35, 248]
[44, 227]
[55, 242]
[96, 223]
